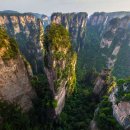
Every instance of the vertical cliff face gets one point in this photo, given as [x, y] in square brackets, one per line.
[60, 61]
[115, 45]
[28, 32]
[15, 86]
[113, 29]
[75, 24]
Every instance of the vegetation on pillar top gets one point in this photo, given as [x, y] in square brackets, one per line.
[59, 56]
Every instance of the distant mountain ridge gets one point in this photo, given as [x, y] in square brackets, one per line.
[9, 11]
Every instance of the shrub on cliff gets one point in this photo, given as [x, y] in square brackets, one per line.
[8, 46]
[60, 57]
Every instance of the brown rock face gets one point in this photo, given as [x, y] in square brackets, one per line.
[15, 86]
[14, 83]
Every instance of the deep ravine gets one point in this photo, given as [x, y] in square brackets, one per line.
[64, 73]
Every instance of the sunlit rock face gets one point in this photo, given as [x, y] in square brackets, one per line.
[15, 72]
[27, 29]
[75, 23]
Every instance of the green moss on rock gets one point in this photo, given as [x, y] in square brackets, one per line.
[8, 46]
[60, 57]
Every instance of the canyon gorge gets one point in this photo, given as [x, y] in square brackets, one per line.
[55, 67]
